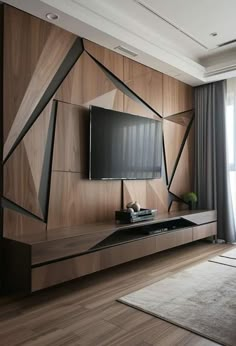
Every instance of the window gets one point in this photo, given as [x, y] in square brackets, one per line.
[231, 136]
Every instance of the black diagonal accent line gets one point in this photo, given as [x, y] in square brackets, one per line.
[45, 181]
[169, 206]
[164, 157]
[176, 114]
[123, 87]
[7, 203]
[172, 197]
[67, 64]
[181, 150]
[170, 201]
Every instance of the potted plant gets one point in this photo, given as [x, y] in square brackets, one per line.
[191, 199]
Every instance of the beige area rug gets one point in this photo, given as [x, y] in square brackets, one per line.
[227, 261]
[201, 299]
[230, 254]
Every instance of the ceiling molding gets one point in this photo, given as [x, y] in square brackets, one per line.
[143, 4]
[88, 21]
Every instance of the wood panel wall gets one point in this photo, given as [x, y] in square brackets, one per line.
[46, 182]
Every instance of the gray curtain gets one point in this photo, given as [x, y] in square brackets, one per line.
[211, 173]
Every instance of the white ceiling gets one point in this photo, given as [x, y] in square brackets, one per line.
[172, 36]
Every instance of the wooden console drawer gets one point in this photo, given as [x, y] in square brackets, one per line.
[75, 267]
[65, 270]
[204, 231]
[172, 239]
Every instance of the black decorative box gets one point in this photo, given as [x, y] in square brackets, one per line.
[124, 216]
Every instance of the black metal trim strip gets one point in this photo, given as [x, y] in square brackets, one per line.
[8, 204]
[164, 157]
[174, 198]
[45, 181]
[69, 61]
[122, 193]
[170, 205]
[123, 87]
[176, 114]
[180, 151]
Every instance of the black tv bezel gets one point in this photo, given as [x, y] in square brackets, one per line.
[90, 135]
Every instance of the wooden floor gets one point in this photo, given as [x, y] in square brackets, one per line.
[85, 311]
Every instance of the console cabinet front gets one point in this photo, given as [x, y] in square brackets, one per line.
[36, 262]
[205, 231]
[58, 272]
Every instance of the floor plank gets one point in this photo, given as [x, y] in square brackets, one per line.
[85, 311]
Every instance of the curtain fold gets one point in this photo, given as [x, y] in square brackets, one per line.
[212, 183]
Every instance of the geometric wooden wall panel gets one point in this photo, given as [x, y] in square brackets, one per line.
[45, 181]
[54, 54]
[24, 169]
[24, 40]
[46, 127]
[125, 89]
[177, 96]
[16, 224]
[76, 200]
[151, 194]
[183, 178]
[135, 190]
[35, 143]
[146, 83]
[133, 107]
[157, 195]
[87, 84]
[71, 145]
[111, 60]
[19, 185]
[182, 118]
[173, 137]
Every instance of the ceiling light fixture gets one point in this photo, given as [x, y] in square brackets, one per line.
[52, 16]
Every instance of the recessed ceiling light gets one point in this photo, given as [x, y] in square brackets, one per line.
[52, 16]
[213, 34]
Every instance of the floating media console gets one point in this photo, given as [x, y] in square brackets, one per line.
[42, 260]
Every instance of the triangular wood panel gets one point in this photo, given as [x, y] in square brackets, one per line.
[23, 170]
[76, 200]
[173, 138]
[87, 84]
[16, 224]
[21, 54]
[157, 195]
[183, 178]
[58, 44]
[137, 108]
[183, 118]
[147, 84]
[71, 152]
[35, 142]
[19, 185]
[110, 59]
[151, 194]
[135, 190]
[177, 96]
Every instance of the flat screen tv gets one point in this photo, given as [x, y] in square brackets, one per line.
[124, 146]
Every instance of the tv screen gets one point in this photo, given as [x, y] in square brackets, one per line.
[124, 146]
